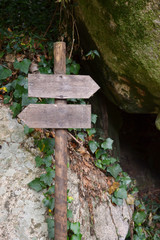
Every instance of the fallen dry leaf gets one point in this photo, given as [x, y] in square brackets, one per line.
[113, 188]
[86, 156]
[82, 150]
[130, 199]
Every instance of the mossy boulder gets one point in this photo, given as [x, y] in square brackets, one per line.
[127, 36]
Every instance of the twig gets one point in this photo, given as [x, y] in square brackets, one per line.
[73, 39]
[5, 66]
[75, 139]
[70, 55]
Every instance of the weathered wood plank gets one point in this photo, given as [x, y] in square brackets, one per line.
[61, 86]
[56, 116]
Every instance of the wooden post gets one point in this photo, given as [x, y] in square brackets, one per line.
[60, 155]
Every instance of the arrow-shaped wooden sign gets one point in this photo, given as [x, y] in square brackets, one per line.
[56, 116]
[61, 86]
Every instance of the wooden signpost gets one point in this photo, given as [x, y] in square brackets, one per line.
[59, 116]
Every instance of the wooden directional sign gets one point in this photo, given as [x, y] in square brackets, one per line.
[57, 116]
[60, 116]
[61, 86]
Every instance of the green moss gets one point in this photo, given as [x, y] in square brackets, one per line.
[127, 35]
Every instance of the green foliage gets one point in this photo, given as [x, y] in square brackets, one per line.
[75, 227]
[93, 118]
[93, 145]
[139, 217]
[120, 193]
[92, 54]
[28, 14]
[28, 130]
[47, 161]
[4, 73]
[46, 145]
[37, 185]
[107, 144]
[16, 108]
[114, 170]
[117, 201]
[72, 67]
[23, 66]
[50, 224]
[45, 66]
[47, 177]
[49, 203]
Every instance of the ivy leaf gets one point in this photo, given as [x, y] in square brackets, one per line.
[99, 164]
[75, 227]
[99, 152]
[93, 146]
[81, 136]
[15, 108]
[39, 161]
[28, 130]
[47, 178]
[69, 213]
[76, 237]
[6, 99]
[19, 91]
[50, 224]
[27, 100]
[139, 217]
[108, 161]
[107, 144]
[121, 193]
[114, 170]
[22, 81]
[36, 185]
[117, 201]
[93, 118]
[48, 161]
[5, 73]
[126, 180]
[91, 131]
[74, 68]
[49, 203]
[51, 190]
[45, 70]
[23, 66]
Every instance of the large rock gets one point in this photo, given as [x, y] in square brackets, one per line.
[22, 214]
[126, 34]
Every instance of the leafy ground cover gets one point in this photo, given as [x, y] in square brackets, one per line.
[24, 49]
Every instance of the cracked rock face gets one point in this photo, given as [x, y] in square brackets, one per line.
[22, 214]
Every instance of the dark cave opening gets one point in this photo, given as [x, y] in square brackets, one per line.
[140, 149]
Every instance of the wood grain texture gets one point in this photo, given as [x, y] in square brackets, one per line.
[61, 86]
[60, 217]
[56, 116]
[61, 185]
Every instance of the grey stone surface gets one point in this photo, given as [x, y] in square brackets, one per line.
[110, 222]
[22, 214]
